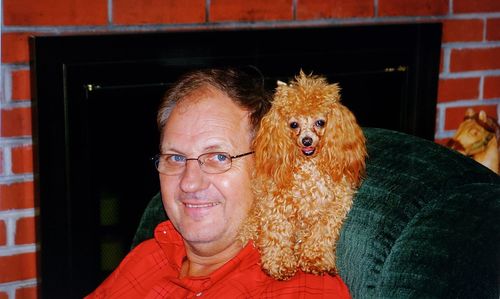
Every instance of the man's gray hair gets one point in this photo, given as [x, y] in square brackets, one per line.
[246, 90]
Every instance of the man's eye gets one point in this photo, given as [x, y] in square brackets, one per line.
[221, 157]
[320, 123]
[294, 125]
[176, 158]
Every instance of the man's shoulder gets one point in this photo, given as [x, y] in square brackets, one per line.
[146, 246]
[165, 237]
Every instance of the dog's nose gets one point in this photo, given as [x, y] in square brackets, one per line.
[307, 141]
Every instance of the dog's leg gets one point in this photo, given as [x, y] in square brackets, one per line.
[316, 253]
[276, 238]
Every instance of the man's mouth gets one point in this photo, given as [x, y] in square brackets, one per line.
[308, 151]
[202, 205]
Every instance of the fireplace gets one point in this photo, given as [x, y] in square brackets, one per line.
[94, 104]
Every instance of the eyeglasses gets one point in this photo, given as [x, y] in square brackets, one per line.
[217, 162]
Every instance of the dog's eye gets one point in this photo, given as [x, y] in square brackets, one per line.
[320, 123]
[294, 125]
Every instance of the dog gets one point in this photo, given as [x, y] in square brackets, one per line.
[309, 161]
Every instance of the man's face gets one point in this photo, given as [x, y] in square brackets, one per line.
[207, 208]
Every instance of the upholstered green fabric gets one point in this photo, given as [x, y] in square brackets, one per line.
[425, 223]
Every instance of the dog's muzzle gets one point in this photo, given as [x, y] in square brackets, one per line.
[307, 141]
[308, 150]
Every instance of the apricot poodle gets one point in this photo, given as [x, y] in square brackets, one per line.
[310, 158]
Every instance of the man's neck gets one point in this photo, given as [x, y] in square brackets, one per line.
[203, 259]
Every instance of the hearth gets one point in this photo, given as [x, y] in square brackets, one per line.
[94, 104]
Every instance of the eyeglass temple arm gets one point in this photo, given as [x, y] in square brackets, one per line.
[242, 155]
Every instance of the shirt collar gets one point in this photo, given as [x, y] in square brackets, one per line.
[172, 245]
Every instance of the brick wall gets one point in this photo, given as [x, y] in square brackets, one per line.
[470, 75]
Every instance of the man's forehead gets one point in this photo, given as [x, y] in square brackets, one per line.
[209, 96]
[207, 121]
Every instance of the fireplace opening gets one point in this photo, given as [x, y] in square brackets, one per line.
[95, 99]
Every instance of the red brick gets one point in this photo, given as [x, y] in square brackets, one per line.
[458, 89]
[493, 29]
[15, 47]
[491, 87]
[313, 9]
[158, 11]
[25, 230]
[17, 267]
[462, 30]
[4, 295]
[455, 115]
[15, 122]
[22, 159]
[475, 59]
[3, 233]
[17, 196]
[21, 85]
[413, 7]
[256, 10]
[26, 293]
[465, 6]
[55, 12]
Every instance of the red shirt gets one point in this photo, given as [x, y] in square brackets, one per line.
[152, 269]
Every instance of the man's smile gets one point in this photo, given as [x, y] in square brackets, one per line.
[201, 205]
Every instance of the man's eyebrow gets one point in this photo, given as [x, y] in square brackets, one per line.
[170, 150]
[207, 149]
[212, 148]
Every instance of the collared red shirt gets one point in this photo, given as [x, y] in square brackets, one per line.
[151, 270]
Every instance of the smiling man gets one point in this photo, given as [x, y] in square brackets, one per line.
[205, 200]
[207, 122]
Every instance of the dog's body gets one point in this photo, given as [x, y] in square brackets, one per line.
[310, 155]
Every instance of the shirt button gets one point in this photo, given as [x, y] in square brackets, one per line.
[199, 294]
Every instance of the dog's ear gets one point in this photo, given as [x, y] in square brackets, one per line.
[344, 151]
[274, 151]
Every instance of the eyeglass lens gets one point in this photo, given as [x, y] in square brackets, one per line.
[217, 162]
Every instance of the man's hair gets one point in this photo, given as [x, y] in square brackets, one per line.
[243, 88]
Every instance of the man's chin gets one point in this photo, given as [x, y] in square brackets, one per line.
[200, 236]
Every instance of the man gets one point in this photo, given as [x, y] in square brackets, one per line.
[207, 122]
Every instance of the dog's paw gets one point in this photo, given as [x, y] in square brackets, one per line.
[318, 267]
[316, 260]
[281, 270]
[280, 264]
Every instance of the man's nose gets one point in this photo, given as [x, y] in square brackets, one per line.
[193, 178]
[307, 141]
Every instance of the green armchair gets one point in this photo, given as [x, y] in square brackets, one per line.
[425, 223]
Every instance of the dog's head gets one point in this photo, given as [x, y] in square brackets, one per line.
[307, 121]
[308, 131]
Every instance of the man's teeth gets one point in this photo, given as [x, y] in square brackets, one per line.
[206, 205]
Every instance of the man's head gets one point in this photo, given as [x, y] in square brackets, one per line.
[241, 87]
[209, 111]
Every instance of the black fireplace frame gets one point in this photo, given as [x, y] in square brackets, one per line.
[60, 64]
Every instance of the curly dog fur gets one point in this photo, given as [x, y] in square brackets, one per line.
[310, 157]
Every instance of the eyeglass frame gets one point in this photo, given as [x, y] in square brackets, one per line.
[157, 157]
